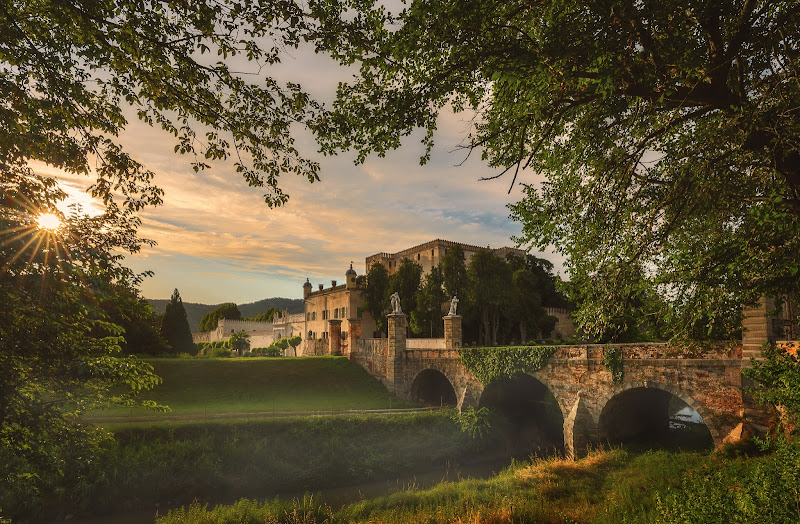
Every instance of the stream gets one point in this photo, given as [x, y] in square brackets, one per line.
[339, 496]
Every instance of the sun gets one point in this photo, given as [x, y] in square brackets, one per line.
[48, 221]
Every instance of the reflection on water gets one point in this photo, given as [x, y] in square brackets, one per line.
[684, 417]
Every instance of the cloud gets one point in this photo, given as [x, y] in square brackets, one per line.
[218, 241]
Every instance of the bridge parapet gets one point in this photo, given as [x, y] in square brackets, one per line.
[646, 351]
[425, 343]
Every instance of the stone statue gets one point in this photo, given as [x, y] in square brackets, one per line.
[453, 306]
[395, 298]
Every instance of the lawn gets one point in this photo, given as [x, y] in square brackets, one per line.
[198, 389]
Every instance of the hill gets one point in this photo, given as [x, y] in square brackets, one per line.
[195, 311]
[197, 388]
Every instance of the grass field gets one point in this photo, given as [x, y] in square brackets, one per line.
[607, 487]
[198, 389]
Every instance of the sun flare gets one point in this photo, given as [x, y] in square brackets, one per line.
[48, 221]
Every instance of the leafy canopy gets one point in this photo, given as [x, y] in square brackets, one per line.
[61, 352]
[666, 134]
[211, 319]
[73, 73]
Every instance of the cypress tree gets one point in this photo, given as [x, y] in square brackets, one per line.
[175, 327]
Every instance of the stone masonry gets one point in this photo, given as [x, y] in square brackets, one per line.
[710, 381]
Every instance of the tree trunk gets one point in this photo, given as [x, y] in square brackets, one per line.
[523, 332]
[484, 335]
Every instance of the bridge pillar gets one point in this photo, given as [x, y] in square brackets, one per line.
[397, 347]
[452, 332]
[757, 328]
[580, 429]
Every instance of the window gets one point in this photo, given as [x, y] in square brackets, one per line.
[324, 316]
[313, 315]
[336, 313]
[344, 312]
[418, 256]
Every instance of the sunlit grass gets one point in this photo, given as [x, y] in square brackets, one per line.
[608, 486]
[198, 389]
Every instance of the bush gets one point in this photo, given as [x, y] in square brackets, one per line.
[271, 351]
[755, 490]
[220, 352]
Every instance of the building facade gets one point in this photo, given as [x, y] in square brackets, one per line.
[262, 334]
[430, 254]
[334, 316]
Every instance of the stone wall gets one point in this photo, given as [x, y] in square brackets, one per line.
[425, 343]
[373, 355]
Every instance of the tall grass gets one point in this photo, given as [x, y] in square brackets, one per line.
[609, 486]
[168, 464]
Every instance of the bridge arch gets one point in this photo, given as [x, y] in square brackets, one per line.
[433, 386]
[532, 414]
[607, 399]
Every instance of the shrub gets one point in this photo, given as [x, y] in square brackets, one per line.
[220, 352]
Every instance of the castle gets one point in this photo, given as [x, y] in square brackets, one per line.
[334, 317]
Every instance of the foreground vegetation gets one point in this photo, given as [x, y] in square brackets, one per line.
[161, 465]
[199, 389]
[609, 486]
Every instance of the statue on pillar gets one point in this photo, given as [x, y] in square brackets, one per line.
[453, 306]
[395, 298]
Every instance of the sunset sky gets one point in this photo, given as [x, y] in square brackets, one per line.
[219, 242]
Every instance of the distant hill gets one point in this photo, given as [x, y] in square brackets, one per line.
[195, 312]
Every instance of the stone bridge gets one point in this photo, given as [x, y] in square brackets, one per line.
[594, 407]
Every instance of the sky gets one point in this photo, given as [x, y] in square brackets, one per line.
[217, 241]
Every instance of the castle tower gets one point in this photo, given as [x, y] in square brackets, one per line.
[306, 289]
[350, 277]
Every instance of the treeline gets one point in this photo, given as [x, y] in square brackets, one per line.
[502, 300]
[196, 311]
[145, 331]
[238, 344]
[231, 311]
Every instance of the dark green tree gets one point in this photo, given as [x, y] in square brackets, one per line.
[426, 319]
[69, 69]
[376, 294]
[525, 307]
[60, 354]
[489, 290]
[142, 324]
[406, 281]
[666, 133]
[267, 316]
[175, 327]
[454, 272]
[229, 311]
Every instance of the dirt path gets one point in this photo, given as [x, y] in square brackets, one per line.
[228, 415]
